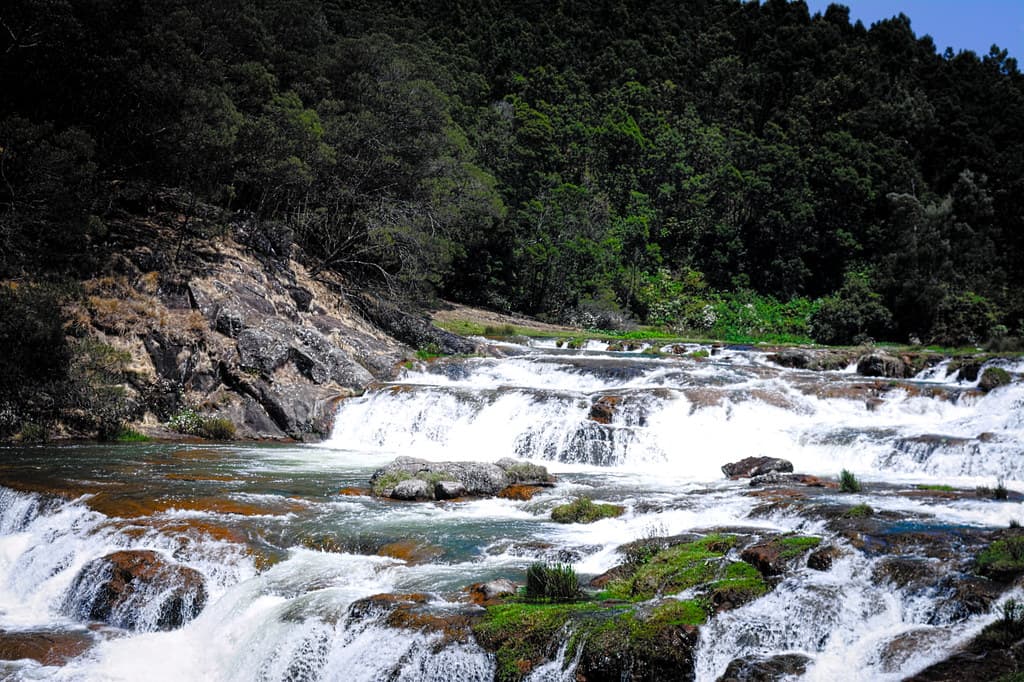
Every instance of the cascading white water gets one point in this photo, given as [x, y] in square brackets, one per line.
[683, 417]
[286, 560]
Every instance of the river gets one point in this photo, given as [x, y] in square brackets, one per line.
[286, 541]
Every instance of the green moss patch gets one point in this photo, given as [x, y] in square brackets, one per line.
[795, 545]
[525, 635]
[585, 510]
[677, 568]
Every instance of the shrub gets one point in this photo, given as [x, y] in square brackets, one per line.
[187, 421]
[555, 582]
[848, 483]
[33, 432]
[853, 315]
[217, 428]
[583, 510]
[998, 493]
[963, 319]
[1002, 558]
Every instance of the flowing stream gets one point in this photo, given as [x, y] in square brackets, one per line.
[286, 544]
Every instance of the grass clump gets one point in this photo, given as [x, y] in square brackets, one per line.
[552, 582]
[388, 481]
[130, 435]
[997, 493]
[585, 510]
[1009, 629]
[935, 488]
[859, 511]
[525, 635]
[848, 483]
[1002, 559]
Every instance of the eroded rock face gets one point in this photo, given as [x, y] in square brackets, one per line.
[756, 466]
[244, 334]
[136, 590]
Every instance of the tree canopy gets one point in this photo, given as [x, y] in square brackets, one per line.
[544, 157]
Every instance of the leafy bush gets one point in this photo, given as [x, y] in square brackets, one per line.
[848, 483]
[855, 314]
[556, 582]
[963, 319]
[187, 421]
[33, 432]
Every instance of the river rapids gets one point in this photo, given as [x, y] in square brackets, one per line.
[277, 544]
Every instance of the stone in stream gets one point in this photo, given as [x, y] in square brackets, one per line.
[412, 489]
[881, 364]
[490, 592]
[449, 490]
[49, 647]
[756, 466]
[409, 478]
[769, 669]
[603, 410]
[136, 590]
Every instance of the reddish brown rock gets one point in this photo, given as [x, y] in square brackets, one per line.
[122, 588]
[521, 493]
[49, 647]
[603, 410]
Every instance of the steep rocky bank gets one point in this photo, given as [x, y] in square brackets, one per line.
[234, 327]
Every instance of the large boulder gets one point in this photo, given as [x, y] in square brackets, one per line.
[993, 377]
[136, 590]
[444, 480]
[882, 364]
[757, 466]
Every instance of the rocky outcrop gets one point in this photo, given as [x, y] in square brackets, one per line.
[882, 364]
[235, 333]
[756, 466]
[136, 590]
[409, 478]
[817, 360]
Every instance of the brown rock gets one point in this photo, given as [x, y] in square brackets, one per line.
[119, 588]
[520, 493]
[603, 410]
[49, 647]
[411, 551]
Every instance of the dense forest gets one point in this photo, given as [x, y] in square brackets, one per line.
[715, 166]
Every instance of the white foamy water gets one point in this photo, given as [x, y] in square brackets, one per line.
[286, 560]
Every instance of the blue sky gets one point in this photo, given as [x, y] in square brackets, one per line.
[960, 24]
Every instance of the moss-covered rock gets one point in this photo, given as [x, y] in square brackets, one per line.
[993, 377]
[1003, 559]
[585, 510]
[773, 557]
